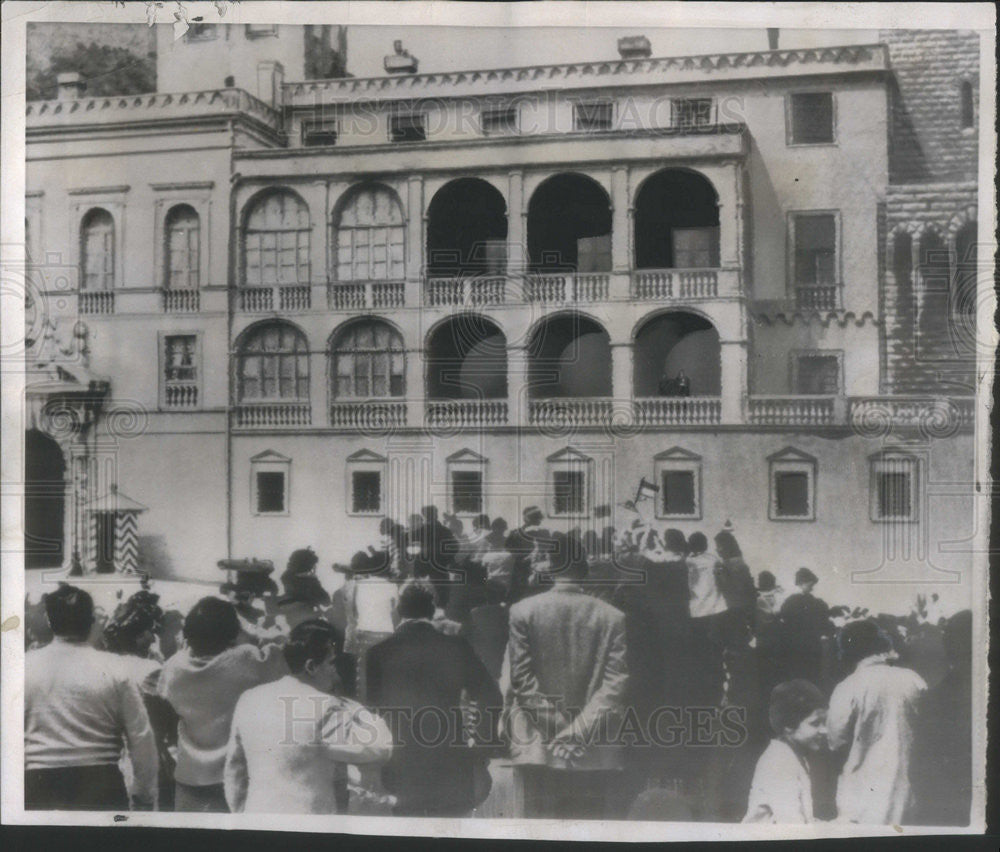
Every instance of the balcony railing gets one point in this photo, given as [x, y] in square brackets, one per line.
[181, 395]
[595, 411]
[817, 297]
[684, 284]
[266, 415]
[368, 415]
[97, 302]
[678, 411]
[360, 295]
[568, 287]
[935, 416]
[462, 413]
[462, 292]
[181, 301]
[284, 297]
[792, 410]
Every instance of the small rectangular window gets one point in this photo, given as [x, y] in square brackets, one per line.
[791, 494]
[815, 249]
[593, 116]
[811, 118]
[467, 491]
[366, 491]
[691, 112]
[498, 120]
[677, 489]
[407, 127]
[202, 32]
[270, 491]
[318, 133]
[568, 492]
[817, 374]
[894, 495]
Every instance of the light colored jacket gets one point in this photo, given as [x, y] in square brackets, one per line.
[567, 678]
[81, 706]
[290, 743]
[872, 713]
[781, 790]
[203, 692]
[706, 597]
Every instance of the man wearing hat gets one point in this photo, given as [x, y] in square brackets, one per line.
[805, 621]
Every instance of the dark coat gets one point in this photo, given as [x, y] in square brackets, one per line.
[416, 677]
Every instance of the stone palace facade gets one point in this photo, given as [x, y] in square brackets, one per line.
[271, 310]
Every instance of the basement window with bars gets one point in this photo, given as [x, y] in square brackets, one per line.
[792, 486]
[269, 483]
[407, 127]
[366, 492]
[894, 487]
[593, 116]
[678, 475]
[569, 495]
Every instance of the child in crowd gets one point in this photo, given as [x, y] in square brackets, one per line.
[781, 791]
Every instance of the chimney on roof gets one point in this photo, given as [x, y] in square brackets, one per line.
[69, 85]
[401, 62]
[634, 47]
[772, 38]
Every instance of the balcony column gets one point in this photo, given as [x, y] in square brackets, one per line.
[621, 372]
[621, 233]
[414, 241]
[415, 389]
[517, 385]
[319, 397]
[516, 245]
[730, 213]
[734, 381]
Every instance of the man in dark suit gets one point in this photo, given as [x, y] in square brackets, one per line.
[568, 677]
[421, 679]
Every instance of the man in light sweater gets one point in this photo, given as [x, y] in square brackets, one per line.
[81, 706]
[203, 682]
[292, 739]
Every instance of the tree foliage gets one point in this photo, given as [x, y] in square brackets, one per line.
[106, 70]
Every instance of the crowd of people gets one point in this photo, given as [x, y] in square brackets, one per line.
[609, 673]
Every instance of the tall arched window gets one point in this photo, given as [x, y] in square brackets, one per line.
[183, 248]
[368, 361]
[968, 105]
[370, 236]
[97, 239]
[276, 241]
[273, 364]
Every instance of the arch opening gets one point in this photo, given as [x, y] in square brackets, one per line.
[44, 501]
[466, 230]
[677, 354]
[677, 222]
[467, 359]
[569, 355]
[569, 226]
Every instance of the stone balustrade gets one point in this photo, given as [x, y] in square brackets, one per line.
[586, 411]
[271, 415]
[678, 411]
[792, 410]
[467, 413]
[180, 395]
[368, 416]
[181, 301]
[97, 302]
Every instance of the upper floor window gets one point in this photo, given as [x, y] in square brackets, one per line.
[276, 241]
[816, 373]
[180, 371]
[407, 127]
[273, 363]
[183, 234]
[270, 483]
[496, 121]
[97, 237]
[322, 132]
[968, 105]
[368, 361]
[811, 120]
[691, 112]
[597, 115]
[814, 262]
[370, 236]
